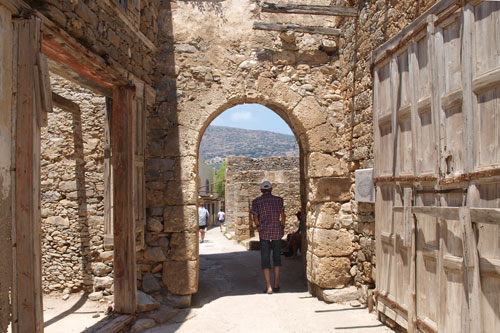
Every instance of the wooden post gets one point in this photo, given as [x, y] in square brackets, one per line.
[27, 292]
[472, 278]
[122, 142]
[407, 217]
[468, 95]
[394, 77]
[409, 241]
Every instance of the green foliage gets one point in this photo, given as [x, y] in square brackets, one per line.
[220, 180]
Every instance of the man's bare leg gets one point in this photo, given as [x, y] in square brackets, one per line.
[276, 276]
[202, 235]
[267, 276]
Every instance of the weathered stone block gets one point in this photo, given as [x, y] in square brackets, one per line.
[154, 254]
[145, 302]
[154, 225]
[142, 324]
[330, 189]
[331, 243]
[150, 284]
[103, 282]
[325, 165]
[310, 113]
[181, 277]
[323, 138]
[183, 246]
[57, 220]
[177, 301]
[86, 14]
[100, 269]
[329, 272]
[163, 314]
[181, 191]
[180, 218]
[342, 295]
[95, 296]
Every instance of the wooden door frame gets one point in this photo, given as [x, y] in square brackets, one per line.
[71, 60]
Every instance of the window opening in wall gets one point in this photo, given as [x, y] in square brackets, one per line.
[242, 147]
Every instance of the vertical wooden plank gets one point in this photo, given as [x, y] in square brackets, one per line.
[122, 135]
[394, 81]
[436, 56]
[7, 91]
[407, 216]
[472, 279]
[45, 88]
[27, 274]
[413, 68]
[412, 301]
[108, 173]
[467, 103]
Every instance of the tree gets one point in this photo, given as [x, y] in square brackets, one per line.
[220, 180]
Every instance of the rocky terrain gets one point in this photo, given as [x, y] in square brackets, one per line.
[220, 141]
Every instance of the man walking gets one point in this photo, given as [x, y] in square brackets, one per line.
[269, 216]
[203, 215]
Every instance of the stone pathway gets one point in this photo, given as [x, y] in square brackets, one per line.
[231, 298]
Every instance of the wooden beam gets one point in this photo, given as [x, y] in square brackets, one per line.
[45, 88]
[111, 325]
[487, 81]
[472, 276]
[309, 9]
[122, 143]
[297, 28]
[478, 215]
[65, 104]
[485, 215]
[62, 48]
[27, 266]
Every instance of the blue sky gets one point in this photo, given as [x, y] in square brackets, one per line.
[254, 117]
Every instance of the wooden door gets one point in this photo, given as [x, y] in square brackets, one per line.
[437, 166]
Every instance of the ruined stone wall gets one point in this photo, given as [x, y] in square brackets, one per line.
[243, 178]
[72, 194]
[128, 36]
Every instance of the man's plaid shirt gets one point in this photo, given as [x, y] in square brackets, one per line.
[268, 209]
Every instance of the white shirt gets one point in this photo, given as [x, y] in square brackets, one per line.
[221, 215]
[203, 214]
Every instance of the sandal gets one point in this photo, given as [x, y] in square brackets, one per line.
[276, 289]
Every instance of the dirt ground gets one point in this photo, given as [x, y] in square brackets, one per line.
[230, 299]
[72, 315]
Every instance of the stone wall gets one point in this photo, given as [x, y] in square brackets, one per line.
[243, 178]
[72, 194]
[128, 36]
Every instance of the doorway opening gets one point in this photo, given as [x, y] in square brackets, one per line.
[242, 147]
[76, 215]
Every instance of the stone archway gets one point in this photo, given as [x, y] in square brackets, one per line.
[289, 176]
[212, 60]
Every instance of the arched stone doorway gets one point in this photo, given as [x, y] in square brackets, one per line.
[213, 60]
[253, 164]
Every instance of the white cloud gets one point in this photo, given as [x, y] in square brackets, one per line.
[241, 116]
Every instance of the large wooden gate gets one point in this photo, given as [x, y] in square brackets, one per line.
[437, 168]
